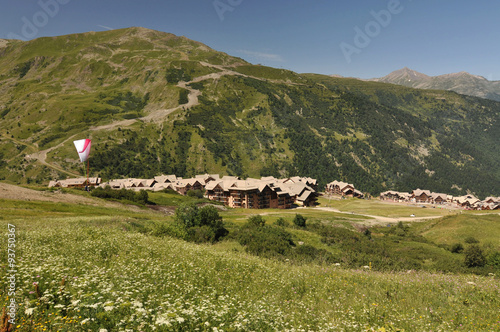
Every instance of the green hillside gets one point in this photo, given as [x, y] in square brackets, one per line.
[156, 103]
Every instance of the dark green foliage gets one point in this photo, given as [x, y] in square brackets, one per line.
[471, 240]
[183, 97]
[125, 103]
[175, 75]
[136, 156]
[50, 138]
[2, 160]
[200, 225]
[457, 248]
[187, 215]
[140, 197]
[195, 193]
[494, 260]
[266, 241]
[24, 68]
[299, 220]
[162, 229]
[400, 229]
[367, 233]
[4, 112]
[281, 222]
[474, 256]
[307, 253]
[256, 221]
[385, 253]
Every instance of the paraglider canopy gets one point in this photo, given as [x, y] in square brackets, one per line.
[83, 148]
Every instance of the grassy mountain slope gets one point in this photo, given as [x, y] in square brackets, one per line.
[156, 103]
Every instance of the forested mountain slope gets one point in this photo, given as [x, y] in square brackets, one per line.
[156, 103]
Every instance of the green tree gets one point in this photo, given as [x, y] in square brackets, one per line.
[280, 222]
[474, 256]
[299, 220]
[143, 197]
[186, 215]
[256, 221]
[201, 225]
[457, 248]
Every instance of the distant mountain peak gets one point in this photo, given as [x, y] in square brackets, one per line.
[461, 82]
[406, 73]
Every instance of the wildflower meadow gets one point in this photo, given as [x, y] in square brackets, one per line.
[108, 274]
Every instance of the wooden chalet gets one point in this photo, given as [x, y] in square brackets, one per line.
[421, 196]
[75, 183]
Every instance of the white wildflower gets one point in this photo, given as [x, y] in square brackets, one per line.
[29, 311]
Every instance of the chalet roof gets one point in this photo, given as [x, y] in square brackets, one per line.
[166, 178]
[188, 182]
[439, 195]
[54, 184]
[420, 192]
[230, 178]
[304, 196]
[212, 184]
[161, 186]
[75, 182]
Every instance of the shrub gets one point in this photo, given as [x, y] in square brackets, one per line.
[140, 197]
[280, 222]
[186, 215]
[471, 240]
[162, 229]
[266, 241]
[474, 256]
[256, 221]
[195, 193]
[494, 260]
[367, 233]
[457, 248]
[200, 225]
[202, 234]
[308, 253]
[299, 220]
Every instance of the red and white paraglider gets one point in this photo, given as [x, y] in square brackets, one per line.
[83, 148]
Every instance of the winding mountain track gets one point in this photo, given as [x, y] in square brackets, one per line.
[157, 116]
[160, 115]
[41, 156]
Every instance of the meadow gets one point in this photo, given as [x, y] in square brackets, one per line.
[99, 268]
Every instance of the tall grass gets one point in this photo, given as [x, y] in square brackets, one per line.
[92, 273]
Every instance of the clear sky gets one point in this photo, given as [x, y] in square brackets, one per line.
[358, 38]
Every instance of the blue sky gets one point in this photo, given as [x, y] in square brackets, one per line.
[358, 38]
